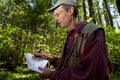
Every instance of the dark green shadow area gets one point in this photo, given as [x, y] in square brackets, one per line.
[20, 73]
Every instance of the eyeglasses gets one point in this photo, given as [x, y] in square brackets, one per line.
[58, 14]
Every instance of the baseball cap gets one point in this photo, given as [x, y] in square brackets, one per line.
[59, 2]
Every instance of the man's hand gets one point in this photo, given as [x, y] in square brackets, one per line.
[39, 54]
[45, 73]
[42, 54]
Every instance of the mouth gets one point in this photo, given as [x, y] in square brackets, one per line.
[59, 23]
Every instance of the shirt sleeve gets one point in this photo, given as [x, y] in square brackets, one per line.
[93, 64]
[55, 61]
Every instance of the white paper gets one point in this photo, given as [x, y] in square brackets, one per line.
[34, 63]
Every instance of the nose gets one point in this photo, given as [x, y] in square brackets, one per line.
[56, 19]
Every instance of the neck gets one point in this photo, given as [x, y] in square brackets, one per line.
[71, 24]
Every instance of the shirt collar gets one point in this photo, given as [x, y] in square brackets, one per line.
[77, 27]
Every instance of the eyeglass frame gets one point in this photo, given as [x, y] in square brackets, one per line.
[58, 14]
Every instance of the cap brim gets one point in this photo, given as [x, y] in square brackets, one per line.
[53, 8]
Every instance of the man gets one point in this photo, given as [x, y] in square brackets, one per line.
[91, 61]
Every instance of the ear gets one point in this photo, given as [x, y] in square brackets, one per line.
[71, 10]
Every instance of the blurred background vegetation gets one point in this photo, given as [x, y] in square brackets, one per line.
[25, 26]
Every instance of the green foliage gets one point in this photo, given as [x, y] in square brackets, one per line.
[14, 42]
[115, 76]
[55, 40]
[11, 45]
[6, 75]
[113, 41]
[20, 73]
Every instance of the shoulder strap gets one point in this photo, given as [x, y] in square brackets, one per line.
[89, 29]
[86, 33]
[81, 40]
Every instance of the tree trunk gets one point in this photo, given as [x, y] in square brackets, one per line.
[109, 14]
[118, 5]
[106, 19]
[84, 10]
[99, 15]
[91, 10]
[99, 18]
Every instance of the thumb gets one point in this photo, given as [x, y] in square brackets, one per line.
[40, 68]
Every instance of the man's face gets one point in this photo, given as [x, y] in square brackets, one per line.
[61, 16]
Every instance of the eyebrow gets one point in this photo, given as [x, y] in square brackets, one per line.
[60, 12]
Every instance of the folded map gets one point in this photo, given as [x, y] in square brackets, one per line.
[34, 63]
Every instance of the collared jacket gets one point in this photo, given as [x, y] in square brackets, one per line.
[93, 61]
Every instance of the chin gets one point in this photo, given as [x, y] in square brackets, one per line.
[62, 26]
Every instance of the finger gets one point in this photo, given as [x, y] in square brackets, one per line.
[36, 54]
[40, 68]
[33, 57]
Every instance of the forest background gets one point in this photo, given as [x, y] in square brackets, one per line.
[25, 25]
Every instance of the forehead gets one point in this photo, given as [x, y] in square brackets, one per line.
[60, 8]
